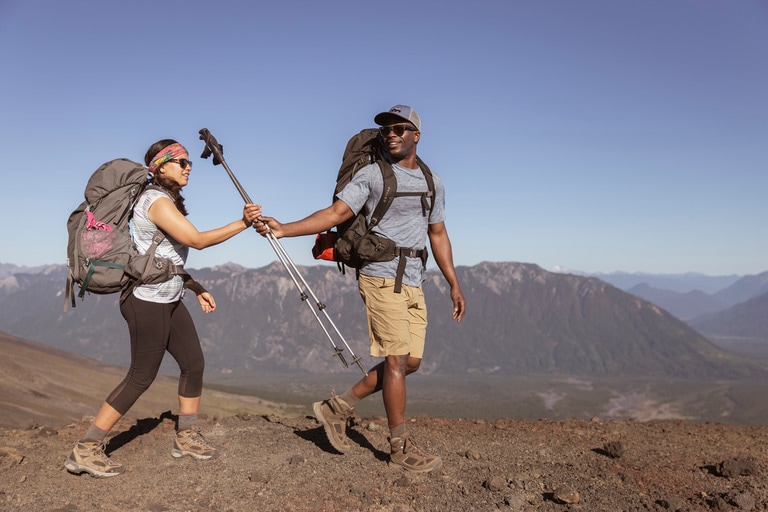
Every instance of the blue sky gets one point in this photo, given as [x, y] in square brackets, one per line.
[590, 135]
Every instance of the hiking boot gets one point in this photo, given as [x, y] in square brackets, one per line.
[334, 414]
[191, 442]
[89, 457]
[405, 453]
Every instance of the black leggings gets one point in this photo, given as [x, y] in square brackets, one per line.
[155, 328]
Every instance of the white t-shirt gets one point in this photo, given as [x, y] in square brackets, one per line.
[142, 229]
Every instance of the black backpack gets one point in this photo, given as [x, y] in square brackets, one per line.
[101, 256]
[352, 243]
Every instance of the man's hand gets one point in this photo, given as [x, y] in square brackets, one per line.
[264, 224]
[459, 304]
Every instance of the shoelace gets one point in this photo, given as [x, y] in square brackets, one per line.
[343, 414]
[410, 447]
[198, 437]
[100, 453]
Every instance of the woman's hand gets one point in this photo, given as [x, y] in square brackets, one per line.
[251, 212]
[206, 302]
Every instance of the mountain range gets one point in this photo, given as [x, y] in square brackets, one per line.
[746, 322]
[534, 344]
[680, 283]
[521, 319]
[690, 304]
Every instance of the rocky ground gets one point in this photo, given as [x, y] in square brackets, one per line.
[285, 463]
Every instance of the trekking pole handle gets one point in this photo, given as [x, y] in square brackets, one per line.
[212, 147]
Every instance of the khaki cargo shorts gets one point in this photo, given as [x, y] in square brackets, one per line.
[397, 322]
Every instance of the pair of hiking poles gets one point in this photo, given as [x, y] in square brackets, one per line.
[212, 147]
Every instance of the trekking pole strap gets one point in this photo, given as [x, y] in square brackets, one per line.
[69, 292]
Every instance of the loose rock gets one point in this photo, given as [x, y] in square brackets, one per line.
[566, 496]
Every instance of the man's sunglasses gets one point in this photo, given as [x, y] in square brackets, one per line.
[399, 129]
[183, 162]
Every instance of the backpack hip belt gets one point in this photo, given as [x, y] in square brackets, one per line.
[405, 253]
[413, 253]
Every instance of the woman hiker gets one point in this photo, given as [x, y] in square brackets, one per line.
[157, 319]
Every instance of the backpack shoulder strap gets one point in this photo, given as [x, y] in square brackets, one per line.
[429, 197]
[388, 192]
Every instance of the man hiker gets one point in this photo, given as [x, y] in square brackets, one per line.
[397, 321]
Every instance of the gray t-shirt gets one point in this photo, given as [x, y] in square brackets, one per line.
[404, 223]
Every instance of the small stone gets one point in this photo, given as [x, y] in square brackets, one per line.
[613, 449]
[743, 500]
[402, 482]
[514, 502]
[736, 467]
[258, 477]
[566, 496]
[47, 432]
[472, 454]
[11, 455]
[495, 483]
[719, 504]
[673, 503]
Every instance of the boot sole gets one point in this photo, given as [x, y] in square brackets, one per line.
[438, 464]
[77, 469]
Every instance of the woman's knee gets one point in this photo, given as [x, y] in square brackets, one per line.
[196, 368]
[191, 378]
[140, 385]
[192, 362]
[128, 392]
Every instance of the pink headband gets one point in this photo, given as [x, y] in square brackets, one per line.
[167, 153]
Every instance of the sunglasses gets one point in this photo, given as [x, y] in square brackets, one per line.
[399, 129]
[183, 162]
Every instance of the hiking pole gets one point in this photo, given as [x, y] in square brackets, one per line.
[212, 147]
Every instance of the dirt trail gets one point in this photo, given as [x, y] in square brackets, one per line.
[285, 463]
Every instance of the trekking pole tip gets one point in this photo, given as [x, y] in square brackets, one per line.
[356, 360]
